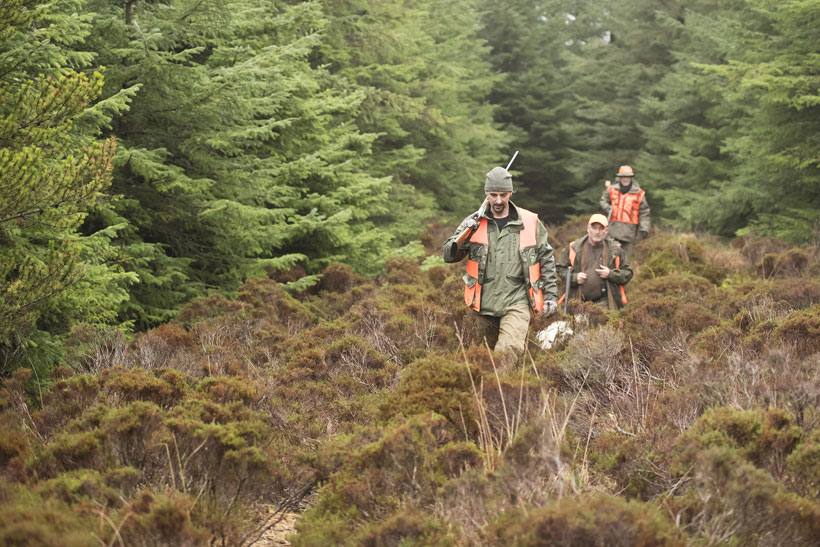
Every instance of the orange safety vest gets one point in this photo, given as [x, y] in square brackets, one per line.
[526, 248]
[572, 265]
[625, 207]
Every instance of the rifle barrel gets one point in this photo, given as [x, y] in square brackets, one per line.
[566, 294]
[512, 160]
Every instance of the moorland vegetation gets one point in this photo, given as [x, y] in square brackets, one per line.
[368, 407]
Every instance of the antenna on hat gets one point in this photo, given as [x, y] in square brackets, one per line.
[512, 160]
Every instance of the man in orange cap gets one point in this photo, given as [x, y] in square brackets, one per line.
[597, 266]
[627, 209]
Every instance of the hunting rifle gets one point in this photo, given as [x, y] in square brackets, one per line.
[611, 205]
[566, 293]
[465, 234]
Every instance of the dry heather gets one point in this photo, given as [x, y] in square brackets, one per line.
[371, 408]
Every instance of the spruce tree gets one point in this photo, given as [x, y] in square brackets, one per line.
[423, 70]
[772, 81]
[53, 171]
[733, 128]
[238, 158]
[621, 50]
[530, 42]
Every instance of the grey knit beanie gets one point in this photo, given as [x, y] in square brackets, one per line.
[498, 180]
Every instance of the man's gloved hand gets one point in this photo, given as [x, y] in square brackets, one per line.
[643, 234]
[550, 307]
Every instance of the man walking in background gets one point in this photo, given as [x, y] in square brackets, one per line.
[510, 265]
[597, 265]
[628, 211]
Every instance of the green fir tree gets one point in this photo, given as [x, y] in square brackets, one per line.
[53, 170]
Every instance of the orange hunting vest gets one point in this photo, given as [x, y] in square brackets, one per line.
[526, 250]
[572, 265]
[625, 207]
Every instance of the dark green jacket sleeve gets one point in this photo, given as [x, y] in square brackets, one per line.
[623, 274]
[451, 251]
[643, 216]
[562, 265]
[605, 202]
[546, 260]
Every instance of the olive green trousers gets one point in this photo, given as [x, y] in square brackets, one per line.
[507, 333]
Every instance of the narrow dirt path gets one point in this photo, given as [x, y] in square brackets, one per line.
[277, 535]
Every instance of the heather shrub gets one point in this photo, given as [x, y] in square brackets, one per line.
[700, 397]
[759, 310]
[15, 448]
[470, 502]
[406, 528]
[679, 408]
[587, 314]
[536, 464]
[225, 390]
[67, 398]
[267, 299]
[208, 307]
[797, 293]
[682, 286]
[221, 446]
[400, 470]
[801, 329]
[162, 519]
[89, 348]
[763, 437]
[593, 358]
[462, 318]
[716, 342]
[729, 299]
[803, 465]
[727, 258]
[692, 318]
[83, 485]
[163, 387]
[503, 403]
[730, 500]
[16, 424]
[359, 360]
[776, 378]
[338, 278]
[339, 289]
[29, 519]
[754, 248]
[456, 457]
[678, 255]
[594, 519]
[169, 345]
[103, 437]
[631, 463]
[789, 263]
[439, 274]
[403, 271]
[656, 326]
[439, 385]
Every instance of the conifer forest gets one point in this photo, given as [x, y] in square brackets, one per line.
[225, 318]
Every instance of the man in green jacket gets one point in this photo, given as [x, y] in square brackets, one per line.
[510, 265]
[599, 266]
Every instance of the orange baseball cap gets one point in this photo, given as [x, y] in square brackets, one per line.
[599, 218]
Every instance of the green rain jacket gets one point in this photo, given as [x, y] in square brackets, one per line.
[502, 275]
